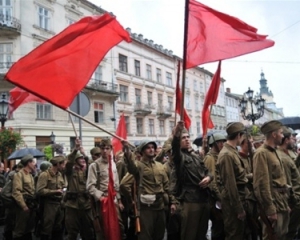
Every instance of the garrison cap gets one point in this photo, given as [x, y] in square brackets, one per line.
[105, 142]
[26, 159]
[216, 137]
[270, 126]
[144, 144]
[234, 127]
[184, 131]
[45, 165]
[95, 150]
[258, 138]
[57, 159]
[286, 131]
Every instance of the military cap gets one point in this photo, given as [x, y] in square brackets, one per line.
[144, 144]
[57, 159]
[292, 131]
[258, 138]
[95, 150]
[234, 127]
[45, 165]
[184, 131]
[79, 155]
[105, 142]
[216, 137]
[270, 126]
[26, 159]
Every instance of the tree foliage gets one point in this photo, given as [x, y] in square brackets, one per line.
[9, 140]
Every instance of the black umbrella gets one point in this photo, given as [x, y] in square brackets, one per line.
[18, 154]
[292, 122]
[199, 139]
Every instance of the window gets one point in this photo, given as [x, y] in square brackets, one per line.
[43, 111]
[6, 9]
[160, 99]
[127, 122]
[197, 105]
[151, 126]
[44, 18]
[5, 55]
[123, 93]
[149, 96]
[98, 74]
[98, 112]
[187, 83]
[139, 125]
[201, 87]
[158, 75]
[169, 79]
[187, 101]
[161, 127]
[198, 128]
[170, 103]
[123, 63]
[70, 21]
[195, 85]
[137, 68]
[171, 125]
[148, 71]
[138, 96]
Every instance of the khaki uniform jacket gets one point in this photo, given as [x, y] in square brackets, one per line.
[23, 184]
[268, 173]
[210, 161]
[233, 177]
[292, 176]
[76, 184]
[102, 189]
[121, 169]
[48, 182]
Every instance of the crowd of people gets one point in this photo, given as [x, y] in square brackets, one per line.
[247, 186]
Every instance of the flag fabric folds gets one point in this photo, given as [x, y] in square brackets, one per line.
[186, 117]
[122, 133]
[59, 69]
[211, 98]
[18, 97]
[111, 225]
[214, 36]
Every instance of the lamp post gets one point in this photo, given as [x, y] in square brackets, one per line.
[259, 104]
[3, 110]
[52, 138]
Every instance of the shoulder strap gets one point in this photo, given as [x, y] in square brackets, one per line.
[98, 175]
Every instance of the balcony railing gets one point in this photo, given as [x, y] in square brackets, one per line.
[4, 67]
[10, 22]
[164, 111]
[142, 108]
[104, 86]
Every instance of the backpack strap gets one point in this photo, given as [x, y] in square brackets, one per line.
[98, 176]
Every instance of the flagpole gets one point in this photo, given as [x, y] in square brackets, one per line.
[177, 85]
[95, 125]
[70, 116]
[185, 36]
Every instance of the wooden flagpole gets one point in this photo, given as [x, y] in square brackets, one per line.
[70, 116]
[177, 83]
[186, 24]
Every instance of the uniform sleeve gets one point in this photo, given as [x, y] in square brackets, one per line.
[41, 187]
[261, 183]
[17, 189]
[131, 164]
[92, 182]
[125, 186]
[70, 163]
[226, 168]
[210, 164]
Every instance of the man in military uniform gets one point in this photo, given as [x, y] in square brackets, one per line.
[192, 180]
[234, 189]
[78, 214]
[258, 140]
[216, 142]
[293, 180]
[98, 179]
[23, 192]
[269, 181]
[153, 183]
[95, 153]
[49, 188]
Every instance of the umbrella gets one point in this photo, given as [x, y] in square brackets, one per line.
[198, 140]
[292, 122]
[18, 154]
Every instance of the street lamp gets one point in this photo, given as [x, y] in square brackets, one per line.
[52, 137]
[3, 110]
[259, 105]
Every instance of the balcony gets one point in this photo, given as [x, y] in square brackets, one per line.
[142, 109]
[164, 112]
[9, 25]
[4, 67]
[106, 88]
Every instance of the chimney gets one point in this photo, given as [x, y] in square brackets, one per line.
[228, 90]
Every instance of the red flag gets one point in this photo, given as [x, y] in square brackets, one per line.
[18, 97]
[186, 117]
[58, 69]
[211, 98]
[122, 133]
[214, 36]
[111, 225]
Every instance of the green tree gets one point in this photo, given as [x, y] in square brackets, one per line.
[9, 140]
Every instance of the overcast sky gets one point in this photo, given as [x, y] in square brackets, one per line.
[162, 21]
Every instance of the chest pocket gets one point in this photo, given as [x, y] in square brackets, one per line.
[27, 182]
[275, 168]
